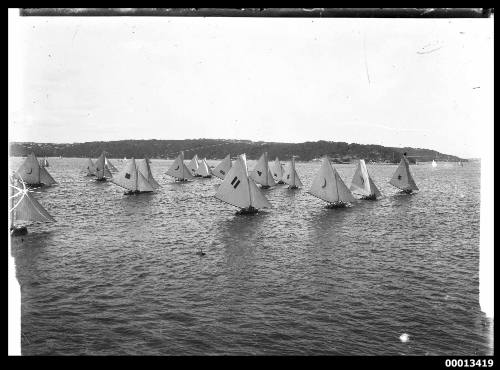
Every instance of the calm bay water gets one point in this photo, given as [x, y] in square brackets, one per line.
[118, 274]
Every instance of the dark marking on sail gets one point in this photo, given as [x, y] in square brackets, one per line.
[276, 174]
[259, 173]
[176, 168]
[362, 179]
[236, 185]
[399, 177]
[31, 170]
[288, 176]
[234, 180]
[324, 185]
[222, 172]
[127, 176]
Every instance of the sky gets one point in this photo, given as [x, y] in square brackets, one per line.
[424, 83]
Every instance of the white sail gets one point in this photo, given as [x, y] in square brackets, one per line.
[277, 170]
[290, 175]
[144, 168]
[362, 183]
[24, 207]
[193, 165]
[223, 167]
[203, 169]
[29, 171]
[100, 167]
[239, 190]
[127, 177]
[179, 170]
[261, 173]
[328, 185]
[45, 162]
[110, 165]
[143, 184]
[45, 177]
[402, 178]
[90, 167]
[434, 164]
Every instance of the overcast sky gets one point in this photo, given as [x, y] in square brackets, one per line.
[424, 83]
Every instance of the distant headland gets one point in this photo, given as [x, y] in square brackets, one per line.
[339, 152]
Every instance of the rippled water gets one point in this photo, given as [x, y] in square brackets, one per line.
[118, 274]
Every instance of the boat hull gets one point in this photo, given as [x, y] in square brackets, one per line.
[137, 192]
[18, 231]
[247, 211]
[369, 197]
[338, 205]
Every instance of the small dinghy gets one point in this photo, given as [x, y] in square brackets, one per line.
[223, 167]
[278, 172]
[179, 171]
[402, 178]
[32, 174]
[239, 190]
[102, 173]
[203, 169]
[328, 186]
[261, 173]
[291, 177]
[362, 184]
[132, 179]
[193, 166]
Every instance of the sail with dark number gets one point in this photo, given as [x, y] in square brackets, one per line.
[132, 179]
[179, 170]
[328, 185]
[261, 173]
[402, 178]
[33, 174]
[223, 167]
[291, 177]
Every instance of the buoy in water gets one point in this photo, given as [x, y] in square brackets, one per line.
[404, 338]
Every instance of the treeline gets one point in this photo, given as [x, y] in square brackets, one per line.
[219, 148]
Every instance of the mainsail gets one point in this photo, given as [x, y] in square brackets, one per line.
[278, 171]
[362, 183]
[144, 167]
[32, 173]
[402, 178]
[101, 171]
[25, 208]
[261, 173]
[193, 165]
[110, 166]
[328, 185]
[203, 169]
[90, 167]
[223, 167]
[290, 175]
[179, 170]
[131, 178]
[239, 190]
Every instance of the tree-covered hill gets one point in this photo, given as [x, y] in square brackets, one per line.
[219, 148]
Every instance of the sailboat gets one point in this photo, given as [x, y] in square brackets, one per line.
[328, 186]
[261, 173]
[179, 170]
[132, 179]
[90, 167]
[223, 167]
[101, 171]
[239, 190]
[44, 162]
[203, 169]
[144, 167]
[460, 163]
[363, 184]
[291, 177]
[24, 208]
[33, 174]
[434, 164]
[402, 178]
[110, 166]
[193, 166]
[278, 171]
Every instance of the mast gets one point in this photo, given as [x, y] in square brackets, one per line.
[267, 170]
[337, 187]
[293, 170]
[248, 181]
